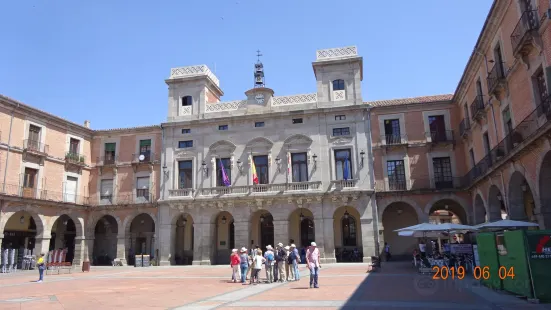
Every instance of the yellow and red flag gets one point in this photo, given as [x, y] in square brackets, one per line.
[255, 176]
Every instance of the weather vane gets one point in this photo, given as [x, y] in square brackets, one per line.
[258, 54]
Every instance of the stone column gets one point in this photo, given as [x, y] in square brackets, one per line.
[242, 235]
[41, 245]
[121, 249]
[88, 255]
[202, 244]
[327, 238]
[79, 252]
[281, 232]
[165, 241]
[368, 239]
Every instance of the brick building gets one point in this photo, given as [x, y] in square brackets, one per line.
[479, 154]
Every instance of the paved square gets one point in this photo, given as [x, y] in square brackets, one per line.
[342, 286]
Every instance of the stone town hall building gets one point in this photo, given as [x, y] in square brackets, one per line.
[331, 167]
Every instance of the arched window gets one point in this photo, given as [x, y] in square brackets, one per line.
[348, 231]
[338, 85]
[187, 101]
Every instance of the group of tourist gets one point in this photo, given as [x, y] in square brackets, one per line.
[281, 264]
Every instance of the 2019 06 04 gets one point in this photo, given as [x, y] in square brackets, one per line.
[478, 273]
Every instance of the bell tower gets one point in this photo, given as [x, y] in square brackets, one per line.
[259, 95]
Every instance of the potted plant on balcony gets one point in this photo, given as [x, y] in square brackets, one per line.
[81, 159]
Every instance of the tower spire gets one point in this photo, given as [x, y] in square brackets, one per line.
[258, 71]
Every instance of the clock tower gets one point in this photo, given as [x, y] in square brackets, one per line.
[259, 95]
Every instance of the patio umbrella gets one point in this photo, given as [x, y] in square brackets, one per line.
[455, 228]
[418, 227]
[504, 224]
[419, 234]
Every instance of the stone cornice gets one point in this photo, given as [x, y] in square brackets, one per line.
[491, 25]
[421, 106]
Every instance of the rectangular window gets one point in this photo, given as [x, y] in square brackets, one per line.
[261, 164]
[345, 131]
[297, 120]
[223, 127]
[74, 146]
[396, 172]
[471, 156]
[259, 124]
[187, 101]
[343, 164]
[106, 191]
[186, 131]
[541, 87]
[479, 88]
[34, 138]
[185, 174]
[71, 185]
[110, 153]
[299, 163]
[185, 144]
[142, 188]
[437, 127]
[486, 141]
[392, 131]
[145, 149]
[340, 117]
[226, 162]
[443, 177]
[29, 183]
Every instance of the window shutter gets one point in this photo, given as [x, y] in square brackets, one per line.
[548, 74]
[145, 143]
[110, 147]
[106, 187]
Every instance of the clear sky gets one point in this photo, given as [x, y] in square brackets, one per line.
[106, 61]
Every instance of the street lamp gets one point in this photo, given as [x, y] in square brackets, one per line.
[224, 219]
[262, 218]
[346, 214]
[301, 216]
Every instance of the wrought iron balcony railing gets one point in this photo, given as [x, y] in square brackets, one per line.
[35, 147]
[247, 189]
[394, 139]
[526, 28]
[464, 126]
[107, 160]
[46, 195]
[496, 77]
[437, 182]
[75, 158]
[440, 136]
[477, 107]
[526, 129]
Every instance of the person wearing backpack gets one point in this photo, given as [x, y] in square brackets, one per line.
[270, 259]
[294, 260]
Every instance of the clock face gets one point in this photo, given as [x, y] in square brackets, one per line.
[259, 98]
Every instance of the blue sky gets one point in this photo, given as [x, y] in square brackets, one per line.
[106, 61]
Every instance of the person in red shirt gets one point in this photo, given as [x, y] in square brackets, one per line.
[234, 264]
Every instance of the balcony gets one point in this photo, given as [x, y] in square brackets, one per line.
[75, 159]
[430, 184]
[526, 131]
[106, 161]
[141, 196]
[267, 189]
[143, 158]
[35, 147]
[525, 36]
[340, 185]
[477, 108]
[443, 137]
[464, 128]
[393, 139]
[496, 79]
[46, 195]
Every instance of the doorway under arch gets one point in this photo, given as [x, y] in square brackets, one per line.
[63, 237]
[105, 241]
[302, 228]
[479, 210]
[141, 237]
[20, 232]
[263, 230]
[224, 237]
[545, 193]
[521, 199]
[395, 216]
[184, 235]
[496, 205]
[347, 234]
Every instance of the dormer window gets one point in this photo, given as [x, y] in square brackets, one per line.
[338, 90]
[187, 101]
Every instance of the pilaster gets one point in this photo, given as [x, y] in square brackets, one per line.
[327, 239]
[281, 231]
[121, 249]
[242, 230]
[202, 244]
[165, 242]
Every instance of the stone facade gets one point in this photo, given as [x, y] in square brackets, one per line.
[477, 155]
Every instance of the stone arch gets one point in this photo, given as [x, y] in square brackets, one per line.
[347, 231]
[398, 215]
[544, 179]
[460, 201]
[495, 204]
[79, 223]
[42, 230]
[260, 141]
[421, 216]
[262, 229]
[480, 213]
[93, 221]
[128, 220]
[222, 145]
[183, 238]
[451, 205]
[297, 139]
[106, 232]
[521, 198]
[302, 227]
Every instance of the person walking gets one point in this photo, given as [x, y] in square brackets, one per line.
[41, 266]
[244, 264]
[269, 263]
[313, 262]
[387, 252]
[295, 261]
[235, 261]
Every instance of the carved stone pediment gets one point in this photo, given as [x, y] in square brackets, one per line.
[184, 154]
[342, 140]
[222, 146]
[260, 143]
[298, 140]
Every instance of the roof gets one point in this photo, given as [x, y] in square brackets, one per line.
[130, 128]
[404, 101]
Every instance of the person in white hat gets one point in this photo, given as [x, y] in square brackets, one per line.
[269, 263]
[294, 260]
[313, 263]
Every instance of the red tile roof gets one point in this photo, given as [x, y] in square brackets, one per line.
[404, 101]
